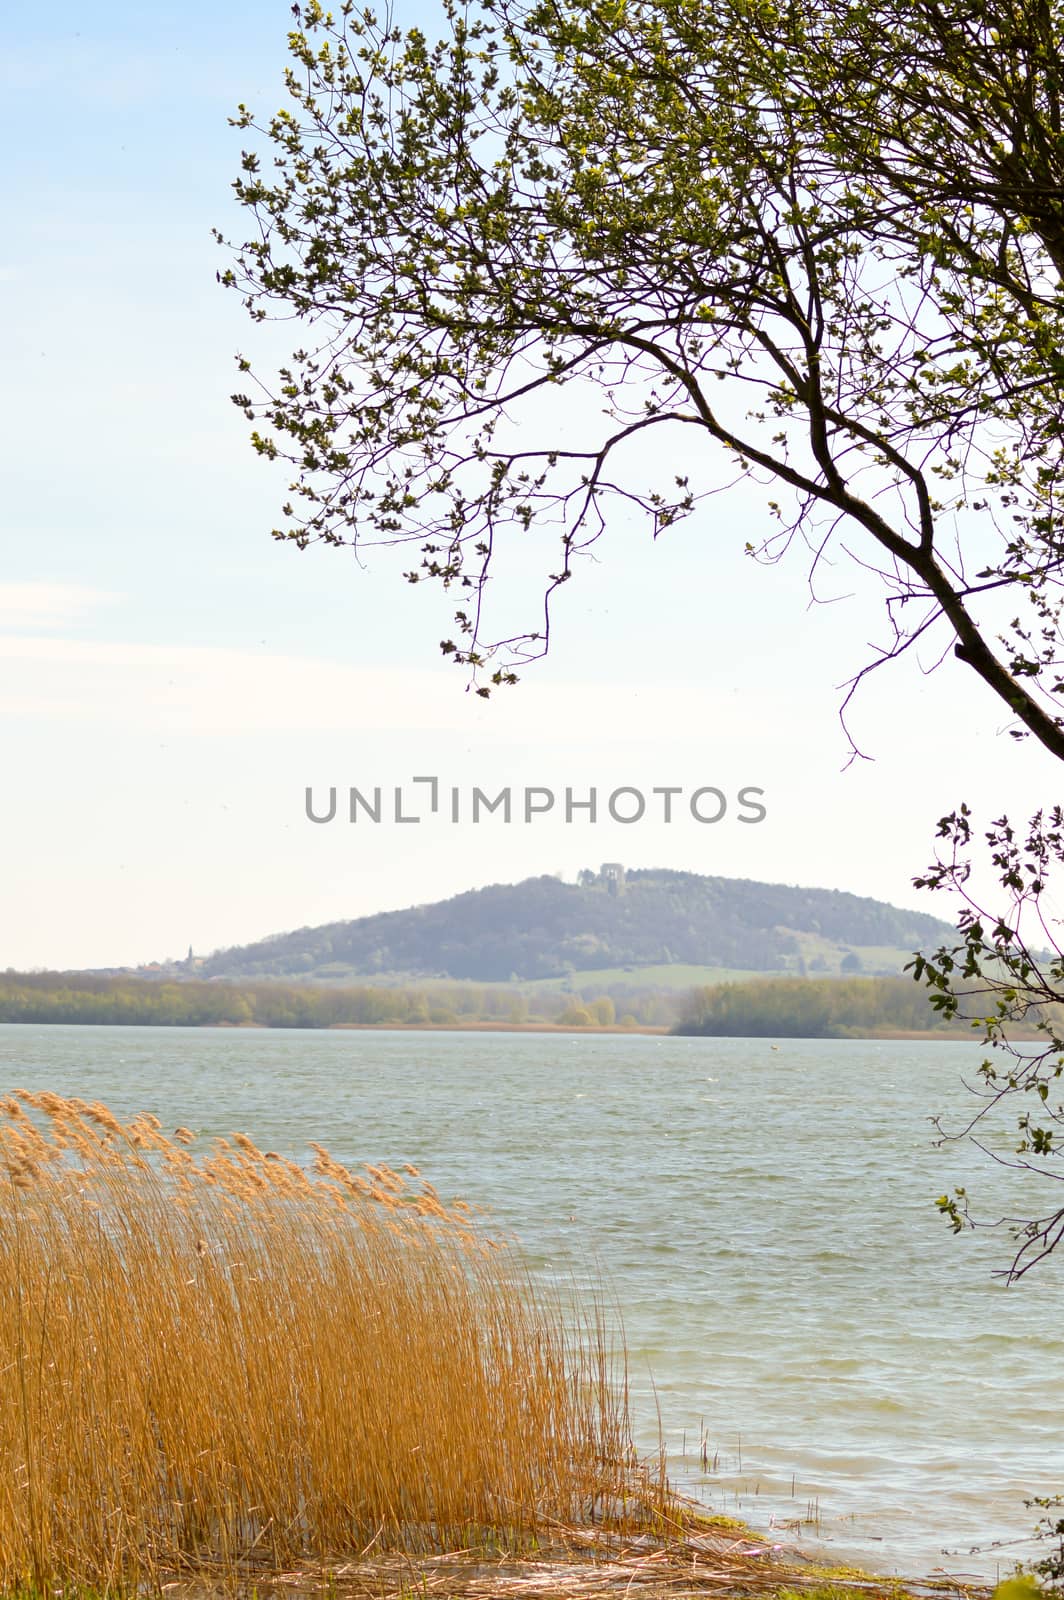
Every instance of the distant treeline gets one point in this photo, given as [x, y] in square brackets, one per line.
[774, 1007]
[89, 998]
[812, 1008]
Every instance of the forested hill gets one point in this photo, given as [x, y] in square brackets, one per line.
[544, 928]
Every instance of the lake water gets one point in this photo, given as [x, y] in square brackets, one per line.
[763, 1215]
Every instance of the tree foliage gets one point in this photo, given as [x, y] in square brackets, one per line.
[1006, 973]
[811, 1008]
[127, 1000]
[542, 928]
[818, 243]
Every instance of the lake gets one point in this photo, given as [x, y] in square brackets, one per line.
[761, 1211]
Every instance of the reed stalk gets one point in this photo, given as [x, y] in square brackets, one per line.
[219, 1360]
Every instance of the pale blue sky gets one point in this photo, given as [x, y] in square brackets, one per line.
[171, 679]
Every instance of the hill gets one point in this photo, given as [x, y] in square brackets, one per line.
[545, 929]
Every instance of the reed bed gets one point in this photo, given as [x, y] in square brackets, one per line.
[216, 1362]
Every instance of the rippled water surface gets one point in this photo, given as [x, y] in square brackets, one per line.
[763, 1215]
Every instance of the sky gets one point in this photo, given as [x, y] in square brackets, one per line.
[172, 680]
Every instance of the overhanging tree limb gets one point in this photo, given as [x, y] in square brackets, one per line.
[854, 208]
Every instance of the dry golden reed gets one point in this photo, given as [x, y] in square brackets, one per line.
[219, 1361]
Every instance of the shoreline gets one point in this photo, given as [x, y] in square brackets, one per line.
[492, 1026]
[915, 1034]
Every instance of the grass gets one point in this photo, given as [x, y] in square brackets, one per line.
[666, 977]
[623, 1574]
[221, 1370]
[218, 1363]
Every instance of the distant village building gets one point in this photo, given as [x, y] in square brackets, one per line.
[612, 875]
